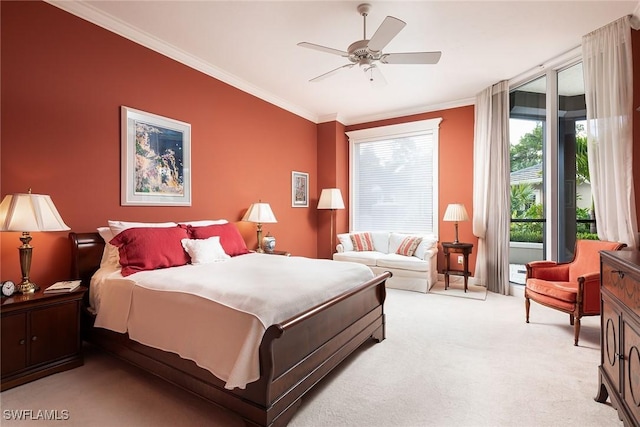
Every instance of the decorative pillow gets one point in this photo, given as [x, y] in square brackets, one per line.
[110, 255]
[345, 241]
[204, 251]
[119, 226]
[203, 222]
[230, 237]
[150, 248]
[362, 242]
[409, 245]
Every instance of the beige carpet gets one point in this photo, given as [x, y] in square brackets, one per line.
[456, 289]
[445, 362]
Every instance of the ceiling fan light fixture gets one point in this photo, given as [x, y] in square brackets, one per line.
[365, 62]
[367, 52]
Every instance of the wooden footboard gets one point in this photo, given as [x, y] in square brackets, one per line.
[294, 355]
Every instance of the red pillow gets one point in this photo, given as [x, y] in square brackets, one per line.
[230, 237]
[150, 248]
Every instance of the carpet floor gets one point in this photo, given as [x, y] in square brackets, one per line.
[445, 362]
[456, 289]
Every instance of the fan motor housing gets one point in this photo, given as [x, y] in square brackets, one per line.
[358, 51]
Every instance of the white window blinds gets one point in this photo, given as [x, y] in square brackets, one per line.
[394, 178]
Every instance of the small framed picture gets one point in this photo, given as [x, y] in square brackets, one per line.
[299, 189]
[156, 160]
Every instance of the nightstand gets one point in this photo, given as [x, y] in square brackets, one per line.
[456, 248]
[40, 335]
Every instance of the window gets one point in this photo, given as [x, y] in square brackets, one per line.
[394, 178]
[549, 159]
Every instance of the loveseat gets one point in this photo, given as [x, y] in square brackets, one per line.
[411, 258]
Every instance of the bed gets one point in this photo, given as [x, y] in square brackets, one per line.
[294, 354]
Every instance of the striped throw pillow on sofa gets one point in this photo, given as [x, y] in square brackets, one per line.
[362, 242]
[409, 245]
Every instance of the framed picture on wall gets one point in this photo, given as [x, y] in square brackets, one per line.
[155, 160]
[299, 189]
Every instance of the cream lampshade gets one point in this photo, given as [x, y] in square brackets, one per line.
[260, 213]
[456, 212]
[27, 213]
[331, 198]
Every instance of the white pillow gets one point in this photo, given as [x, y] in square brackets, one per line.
[204, 251]
[204, 222]
[428, 242]
[119, 226]
[110, 255]
[345, 241]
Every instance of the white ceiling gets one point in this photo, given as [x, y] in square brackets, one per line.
[252, 45]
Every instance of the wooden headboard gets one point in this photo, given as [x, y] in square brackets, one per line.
[86, 254]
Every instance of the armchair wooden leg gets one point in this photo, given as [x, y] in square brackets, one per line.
[576, 330]
[527, 304]
[571, 319]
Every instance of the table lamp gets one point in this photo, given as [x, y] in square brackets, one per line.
[456, 212]
[331, 198]
[260, 213]
[27, 213]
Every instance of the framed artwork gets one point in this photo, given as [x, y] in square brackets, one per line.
[155, 160]
[299, 189]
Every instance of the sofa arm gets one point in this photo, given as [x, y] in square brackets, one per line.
[430, 253]
[339, 247]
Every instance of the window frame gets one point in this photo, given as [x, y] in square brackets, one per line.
[400, 130]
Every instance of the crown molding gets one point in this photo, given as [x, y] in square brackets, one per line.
[95, 16]
[410, 112]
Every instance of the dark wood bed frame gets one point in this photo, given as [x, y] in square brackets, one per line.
[294, 355]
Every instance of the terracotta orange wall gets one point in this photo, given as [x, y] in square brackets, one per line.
[333, 172]
[455, 178]
[63, 82]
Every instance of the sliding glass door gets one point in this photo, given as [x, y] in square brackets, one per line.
[527, 129]
[575, 214]
[550, 192]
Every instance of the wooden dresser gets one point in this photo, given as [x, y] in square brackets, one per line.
[619, 370]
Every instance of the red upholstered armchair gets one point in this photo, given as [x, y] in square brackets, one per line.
[572, 287]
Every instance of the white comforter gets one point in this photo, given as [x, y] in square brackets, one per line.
[216, 314]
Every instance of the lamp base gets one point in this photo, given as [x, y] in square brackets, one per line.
[27, 287]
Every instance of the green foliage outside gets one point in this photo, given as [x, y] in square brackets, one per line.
[528, 152]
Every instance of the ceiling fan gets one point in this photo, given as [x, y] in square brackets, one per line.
[367, 53]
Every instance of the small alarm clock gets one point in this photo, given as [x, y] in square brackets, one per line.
[8, 288]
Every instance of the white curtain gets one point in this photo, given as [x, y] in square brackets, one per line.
[608, 78]
[491, 196]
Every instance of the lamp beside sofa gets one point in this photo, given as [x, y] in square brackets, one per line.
[413, 268]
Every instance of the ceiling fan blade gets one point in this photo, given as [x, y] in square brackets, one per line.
[323, 49]
[328, 73]
[411, 58]
[389, 28]
[375, 77]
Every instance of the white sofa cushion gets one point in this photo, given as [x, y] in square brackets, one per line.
[363, 257]
[380, 241]
[402, 262]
